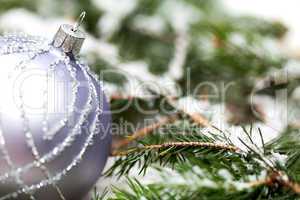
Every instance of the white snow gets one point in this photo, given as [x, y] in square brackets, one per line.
[179, 14]
[296, 94]
[151, 24]
[114, 13]
[285, 11]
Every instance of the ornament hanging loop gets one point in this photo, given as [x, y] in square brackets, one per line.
[69, 37]
[79, 21]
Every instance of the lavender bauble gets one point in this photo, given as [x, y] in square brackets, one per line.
[54, 124]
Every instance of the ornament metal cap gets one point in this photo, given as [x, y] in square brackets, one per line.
[69, 38]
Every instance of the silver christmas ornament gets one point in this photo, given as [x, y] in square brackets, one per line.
[54, 118]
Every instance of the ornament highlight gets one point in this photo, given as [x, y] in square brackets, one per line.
[54, 118]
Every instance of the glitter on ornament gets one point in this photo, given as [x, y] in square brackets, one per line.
[54, 118]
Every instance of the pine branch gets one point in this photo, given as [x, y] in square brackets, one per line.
[183, 156]
[179, 144]
[288, 144]
[257, 190]
[175, 145]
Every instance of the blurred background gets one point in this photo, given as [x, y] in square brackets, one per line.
[246, 52]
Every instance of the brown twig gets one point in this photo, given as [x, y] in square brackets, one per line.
[199, 119]
[196, 117]
[179, 144]
[277, 178]
[144, 131]
[295, 124]
[120, 97]
[293, 186]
